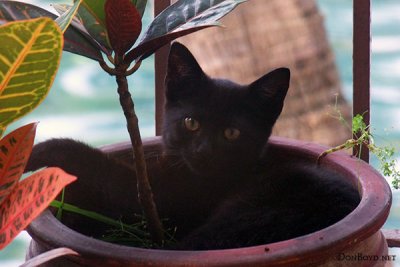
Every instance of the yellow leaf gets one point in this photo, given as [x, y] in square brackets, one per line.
[30, 53]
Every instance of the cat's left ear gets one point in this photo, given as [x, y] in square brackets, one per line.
[183, 73]
[270, 90]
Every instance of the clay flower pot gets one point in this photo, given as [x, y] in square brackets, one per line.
[356, 240]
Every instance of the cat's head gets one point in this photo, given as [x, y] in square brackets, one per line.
[218, 126]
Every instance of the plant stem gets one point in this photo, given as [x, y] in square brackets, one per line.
[348, 144]
[145, 194]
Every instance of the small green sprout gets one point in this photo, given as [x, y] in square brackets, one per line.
[363, 136]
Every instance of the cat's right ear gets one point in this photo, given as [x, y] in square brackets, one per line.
[183, 72]
[270, 90]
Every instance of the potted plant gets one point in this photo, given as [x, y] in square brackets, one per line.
[320, 247]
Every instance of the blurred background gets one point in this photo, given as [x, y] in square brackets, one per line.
[313, 38]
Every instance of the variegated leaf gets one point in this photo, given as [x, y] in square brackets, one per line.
[77, 40]
[30, 54]
[179, 19]
[15, 149]
[28, 199]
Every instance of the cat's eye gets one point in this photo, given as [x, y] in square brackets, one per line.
[231, 134]
[191, 124]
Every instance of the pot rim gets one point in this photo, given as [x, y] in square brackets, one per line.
[362, 222]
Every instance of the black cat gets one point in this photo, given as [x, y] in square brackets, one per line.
[216, 182]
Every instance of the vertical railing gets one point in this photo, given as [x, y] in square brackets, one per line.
[361, 64]
[160, 62]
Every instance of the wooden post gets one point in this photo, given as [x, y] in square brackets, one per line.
[362, 63]
[160, 66]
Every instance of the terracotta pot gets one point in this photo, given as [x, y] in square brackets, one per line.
[356, 240]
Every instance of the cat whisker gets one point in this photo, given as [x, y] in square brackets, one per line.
[171, 152]
[153, 154]
[178, 163]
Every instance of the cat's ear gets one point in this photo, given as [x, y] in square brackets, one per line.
[270, 90]
[183, 72]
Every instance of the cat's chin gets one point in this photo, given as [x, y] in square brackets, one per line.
[194, 168]
[210, 169]
[200, 169]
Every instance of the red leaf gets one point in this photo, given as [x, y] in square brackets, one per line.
[15, 149]
[28, 199]
[123, 23]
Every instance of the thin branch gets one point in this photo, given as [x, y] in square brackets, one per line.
[107, 68]
[134, 68]
[111, 59]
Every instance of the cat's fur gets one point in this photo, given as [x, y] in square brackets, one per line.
[217, 182]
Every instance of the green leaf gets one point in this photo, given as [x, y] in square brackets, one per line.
[65, 19]
[30, 54]
[93, 19]
[76, 38]
[358, 124]
[96, 8]
[94, 215]
[140, 6]
[124, 24]
[187, 16]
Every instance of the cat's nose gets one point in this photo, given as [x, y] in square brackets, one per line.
[203, 150]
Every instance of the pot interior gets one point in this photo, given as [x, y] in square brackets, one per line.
[363, 223]
[279, 151]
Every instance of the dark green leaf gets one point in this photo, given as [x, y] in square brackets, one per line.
[77, 23]
[144, 50]
[140, 6]
[181, 18]
[92, 15]
[13, 10]
[65, 19]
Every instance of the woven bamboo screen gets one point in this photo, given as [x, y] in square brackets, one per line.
[262, 35]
